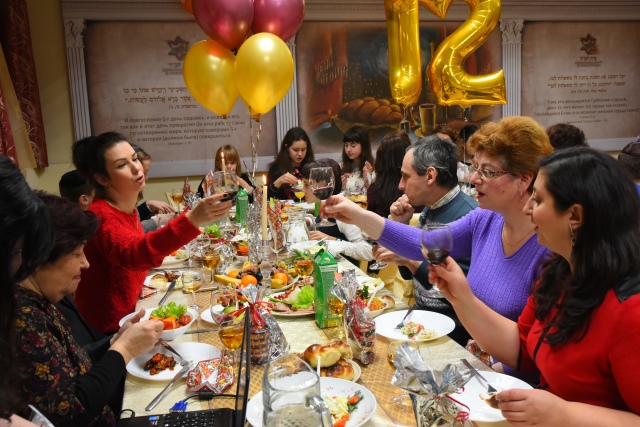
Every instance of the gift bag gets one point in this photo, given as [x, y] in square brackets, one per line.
[431, 389]
[213, 375]
[267, 340]
[361, 329]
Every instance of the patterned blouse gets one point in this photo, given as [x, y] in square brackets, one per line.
[55, 364]
[359, 180]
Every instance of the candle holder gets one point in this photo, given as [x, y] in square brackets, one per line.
[265, 250]
[254, 228]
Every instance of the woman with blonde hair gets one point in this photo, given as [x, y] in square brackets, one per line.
[498, 236]
[232, 164]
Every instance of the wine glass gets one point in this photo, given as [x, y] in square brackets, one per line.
[224, 301]
[376, 265]
[322, 181]
[225, 182]
[191, 282]
[402, 399]
[211, 259]
[177, 197]
[436, 243]
[298, 190]
[231, 332]
[304, 267]
[277, 243]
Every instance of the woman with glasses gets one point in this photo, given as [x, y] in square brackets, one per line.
[581, 327]
[498, 237]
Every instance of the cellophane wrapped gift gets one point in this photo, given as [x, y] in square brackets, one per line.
[361, 329]
[431, 389]
[267, 340]
[214, 375]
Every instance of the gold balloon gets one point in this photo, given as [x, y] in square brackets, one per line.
[209, 74]
[405, 73]
[449, 81]
[264, 71]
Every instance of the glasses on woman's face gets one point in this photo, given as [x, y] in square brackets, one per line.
[485, 174]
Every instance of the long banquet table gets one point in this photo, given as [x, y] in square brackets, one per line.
[300, 333]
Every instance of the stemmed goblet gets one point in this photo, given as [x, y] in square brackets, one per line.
[376, 265]
[231, 332]
[322, 182]
[436, 243]
[225, 182]
[191, 282]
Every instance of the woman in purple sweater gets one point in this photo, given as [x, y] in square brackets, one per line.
[498, 237]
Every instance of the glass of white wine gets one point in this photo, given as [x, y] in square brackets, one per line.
[191, 282]
[210, 259]
[298, 190]
[177, 197]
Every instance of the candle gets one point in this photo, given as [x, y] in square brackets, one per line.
[224, 167]
[263, 220]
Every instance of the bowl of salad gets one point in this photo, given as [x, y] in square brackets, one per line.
[176, 318]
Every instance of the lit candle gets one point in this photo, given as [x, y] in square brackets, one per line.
[224, 167]
[263, 220]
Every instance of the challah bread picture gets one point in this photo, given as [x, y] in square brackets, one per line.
[371, 111]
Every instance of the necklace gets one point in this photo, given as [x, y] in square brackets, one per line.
[504, 239]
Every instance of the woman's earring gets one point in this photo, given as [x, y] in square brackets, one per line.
[573, 237]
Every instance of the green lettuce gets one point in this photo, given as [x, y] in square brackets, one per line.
[213, 229]
[167, 310]
[305, 298]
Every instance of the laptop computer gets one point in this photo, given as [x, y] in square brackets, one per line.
[220, 417]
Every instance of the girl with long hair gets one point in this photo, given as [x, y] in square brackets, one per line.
[232, 163]
[357, 161]
[284, 171]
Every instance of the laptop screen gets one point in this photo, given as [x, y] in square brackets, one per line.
[244, 368]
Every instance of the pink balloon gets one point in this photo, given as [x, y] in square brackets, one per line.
[226, 21]
[280, 17]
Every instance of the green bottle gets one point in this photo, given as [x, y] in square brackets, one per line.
[242, 204]
[317, 209]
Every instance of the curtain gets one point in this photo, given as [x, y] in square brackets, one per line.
[21, 124]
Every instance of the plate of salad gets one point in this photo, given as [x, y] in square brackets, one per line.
[296, 302]
[177, 319]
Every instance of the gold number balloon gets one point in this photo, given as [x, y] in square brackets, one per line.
[450, 83]
[405, 74]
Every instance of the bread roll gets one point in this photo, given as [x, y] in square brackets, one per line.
[158, 281]
[388, 300]
[342, 370]
[328, 355]
[344, 348]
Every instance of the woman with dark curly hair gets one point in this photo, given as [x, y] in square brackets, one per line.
[581, 327]
[27, 236]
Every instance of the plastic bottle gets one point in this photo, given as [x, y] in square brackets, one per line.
[242, 204]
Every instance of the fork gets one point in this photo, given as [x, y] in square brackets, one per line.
[401, 324]
[181, 360]
[490, 389]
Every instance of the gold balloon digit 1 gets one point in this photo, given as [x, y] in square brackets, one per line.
[449, 81]
[405, 73]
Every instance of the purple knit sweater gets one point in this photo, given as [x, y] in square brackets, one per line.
[501, 282]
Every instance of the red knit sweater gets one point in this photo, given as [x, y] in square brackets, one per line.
[120, 255]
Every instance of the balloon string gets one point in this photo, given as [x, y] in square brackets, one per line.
[254, 151]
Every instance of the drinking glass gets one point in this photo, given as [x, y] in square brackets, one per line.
[211, 259]
[403, 399]
[224, 301]
[225, 182]
[376, 265]
[177, 197]
[201, 242]
[322, 182]
[291, 395]
[298, 190]
[277, 243]
[436, 243]
[304, 267]
[231, 332]
[191, 282]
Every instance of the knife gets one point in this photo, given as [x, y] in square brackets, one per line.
[164, 391]
[166, 294]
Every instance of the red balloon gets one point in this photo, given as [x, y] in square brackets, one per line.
[187, 4]
[226, 21]
[280, 17]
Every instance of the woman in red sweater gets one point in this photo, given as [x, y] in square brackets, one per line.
[121, 253]
[581, 326]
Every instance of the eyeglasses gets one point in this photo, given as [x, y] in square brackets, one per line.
[485, 174]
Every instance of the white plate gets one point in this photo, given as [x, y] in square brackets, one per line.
[167, 335]
[147, 281]
[479, 410]
[170, 261]
[328, 386]
[206, 316]
[281, 314]
[374, 283]
[357, 370]
[386, 324]
[195, 350]
[334, 246]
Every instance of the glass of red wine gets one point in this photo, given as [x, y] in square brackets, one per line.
[322, 183]
[436, 243]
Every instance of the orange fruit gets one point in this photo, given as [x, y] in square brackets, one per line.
[233, 273]
[249, 280]
[281, 276]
